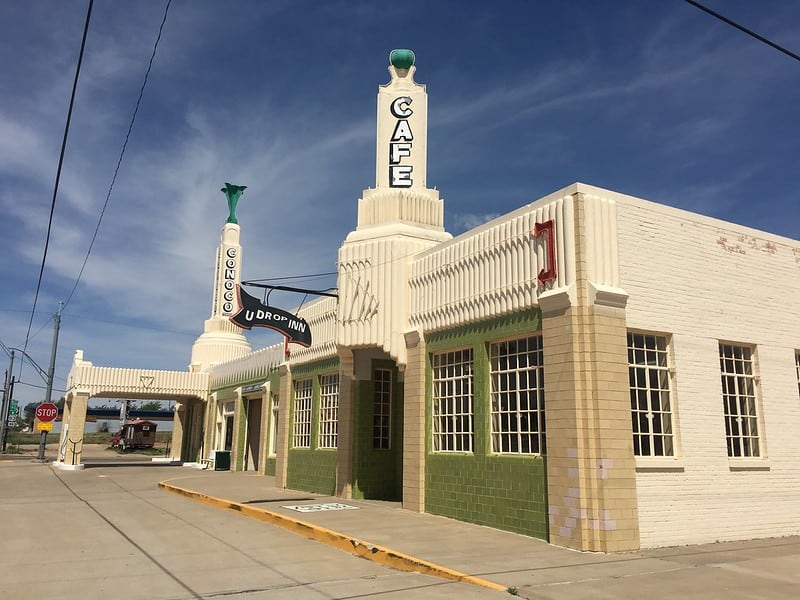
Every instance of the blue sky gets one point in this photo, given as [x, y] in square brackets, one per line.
[654, 99]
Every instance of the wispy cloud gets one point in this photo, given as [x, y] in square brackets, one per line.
[462, 222]
[648, 99]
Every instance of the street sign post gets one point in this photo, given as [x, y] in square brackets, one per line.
[46, 412]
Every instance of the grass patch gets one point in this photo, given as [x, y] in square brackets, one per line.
[20, 438]
[31, 438]
[154, 451]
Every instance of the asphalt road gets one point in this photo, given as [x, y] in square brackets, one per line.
[109, 533]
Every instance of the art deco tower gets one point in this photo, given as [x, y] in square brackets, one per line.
[397, 219]
[221, 340]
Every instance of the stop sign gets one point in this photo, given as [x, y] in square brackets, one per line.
[46, 412]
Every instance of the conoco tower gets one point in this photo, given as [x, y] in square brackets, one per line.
[221, 340]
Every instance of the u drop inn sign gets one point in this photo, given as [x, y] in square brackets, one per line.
[252, 313]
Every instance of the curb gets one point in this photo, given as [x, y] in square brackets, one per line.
[379, 554]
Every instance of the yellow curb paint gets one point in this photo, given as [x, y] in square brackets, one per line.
[373, 552]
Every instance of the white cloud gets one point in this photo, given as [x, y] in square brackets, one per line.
[465, 221]
[281, 99]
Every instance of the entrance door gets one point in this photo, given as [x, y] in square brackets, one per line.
[192, 431]
[252, 450]
[379, 415]
[228, 443]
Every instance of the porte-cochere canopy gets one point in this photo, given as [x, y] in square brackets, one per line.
[112, 382]
[86, 381]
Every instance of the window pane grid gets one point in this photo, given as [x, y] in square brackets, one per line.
[329, 411]
[739, 400]
[651, 407]
[273, 440]
[301, 431]
[452, 401]
[517, 396]
[382, 410]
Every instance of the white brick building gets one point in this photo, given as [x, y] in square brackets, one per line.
[593, 369]
[702, 282]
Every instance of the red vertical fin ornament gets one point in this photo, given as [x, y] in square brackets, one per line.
[548, 228]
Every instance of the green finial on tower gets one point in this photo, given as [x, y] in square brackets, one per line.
[402, 58]
[232, 194]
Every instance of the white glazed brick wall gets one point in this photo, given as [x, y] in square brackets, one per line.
[703, 280]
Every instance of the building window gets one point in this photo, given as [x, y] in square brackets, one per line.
[328, 411]
[273, 431]
[739, 398]
[382, 410]
[301, 431]
[452, 401]
[517, 393]
[228, 410]
[797, 366]
[651, 406]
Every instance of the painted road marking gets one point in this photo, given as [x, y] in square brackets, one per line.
[307, 508]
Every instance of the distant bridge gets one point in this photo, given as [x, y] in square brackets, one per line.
[113, 413]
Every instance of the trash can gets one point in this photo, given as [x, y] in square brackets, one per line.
[222, 460]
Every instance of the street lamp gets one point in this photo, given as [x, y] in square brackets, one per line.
[47, 377]
[9, 387]
[8, 391]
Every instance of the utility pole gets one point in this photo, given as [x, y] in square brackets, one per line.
[8, 389]
[50, 374]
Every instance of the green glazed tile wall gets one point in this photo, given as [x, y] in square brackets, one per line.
[503, 491]
[311, 469]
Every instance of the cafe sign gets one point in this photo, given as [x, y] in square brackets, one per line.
[401, 144]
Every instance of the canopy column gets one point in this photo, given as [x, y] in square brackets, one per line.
[73, 422]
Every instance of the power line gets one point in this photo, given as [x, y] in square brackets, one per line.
[130, 326]
[45, 324]
[38, 331]
[285, 288]
[749, 32]
[122, 152]
[38, 386]
[58, 170]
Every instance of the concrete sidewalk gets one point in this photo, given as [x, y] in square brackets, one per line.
[528, 567]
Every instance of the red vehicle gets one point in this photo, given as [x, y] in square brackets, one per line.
[135, 434]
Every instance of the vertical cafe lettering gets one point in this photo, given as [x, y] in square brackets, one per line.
[400, 144]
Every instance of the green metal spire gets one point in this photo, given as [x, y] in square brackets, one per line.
[232, 194]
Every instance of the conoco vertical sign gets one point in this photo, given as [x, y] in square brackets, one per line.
[229, 279]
